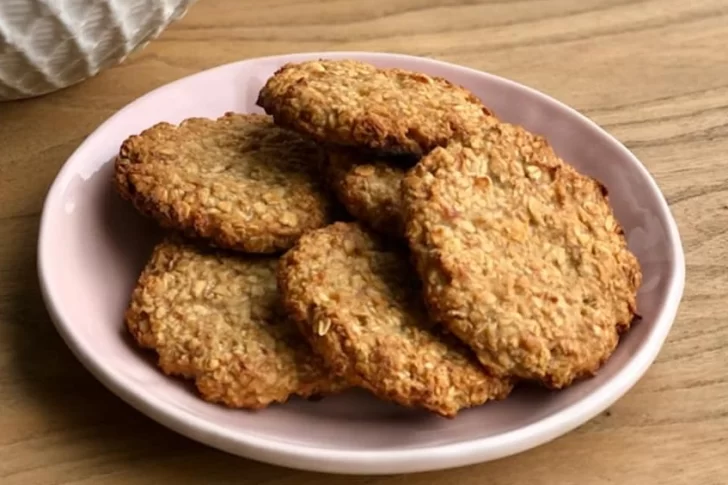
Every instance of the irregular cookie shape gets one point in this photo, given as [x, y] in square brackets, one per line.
[239, 181]
[356, 300]
[369, 188]
[520, 255]
[353, 103]
[215, 317]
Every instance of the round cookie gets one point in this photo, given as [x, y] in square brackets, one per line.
[369, 188]
[356, 300]
[353, 103]
[240, 181]
[215, 317]
[520, 255]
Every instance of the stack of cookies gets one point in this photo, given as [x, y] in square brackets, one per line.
[468, 258]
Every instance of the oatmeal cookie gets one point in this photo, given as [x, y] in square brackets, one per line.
[369, 187]
[520, 255]
[355, 298]
[215, 317]
[354, 103]
[240, 181]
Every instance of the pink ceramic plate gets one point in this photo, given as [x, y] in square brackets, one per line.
[92, 247]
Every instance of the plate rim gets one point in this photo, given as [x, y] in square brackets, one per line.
[410, 460]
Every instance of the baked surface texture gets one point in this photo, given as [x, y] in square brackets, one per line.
[369, 188]
[353, 103]
[240, 181]
[215, 317]
[520, 255]
[356, 299]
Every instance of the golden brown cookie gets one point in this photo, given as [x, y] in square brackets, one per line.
[240, 181]
[521, 255]
[215, 317]
[354, 103]
[354, 296]
[369, 187]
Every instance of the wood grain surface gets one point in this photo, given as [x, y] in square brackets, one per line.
[653, 73]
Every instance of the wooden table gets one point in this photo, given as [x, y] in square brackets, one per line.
[654, 73]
